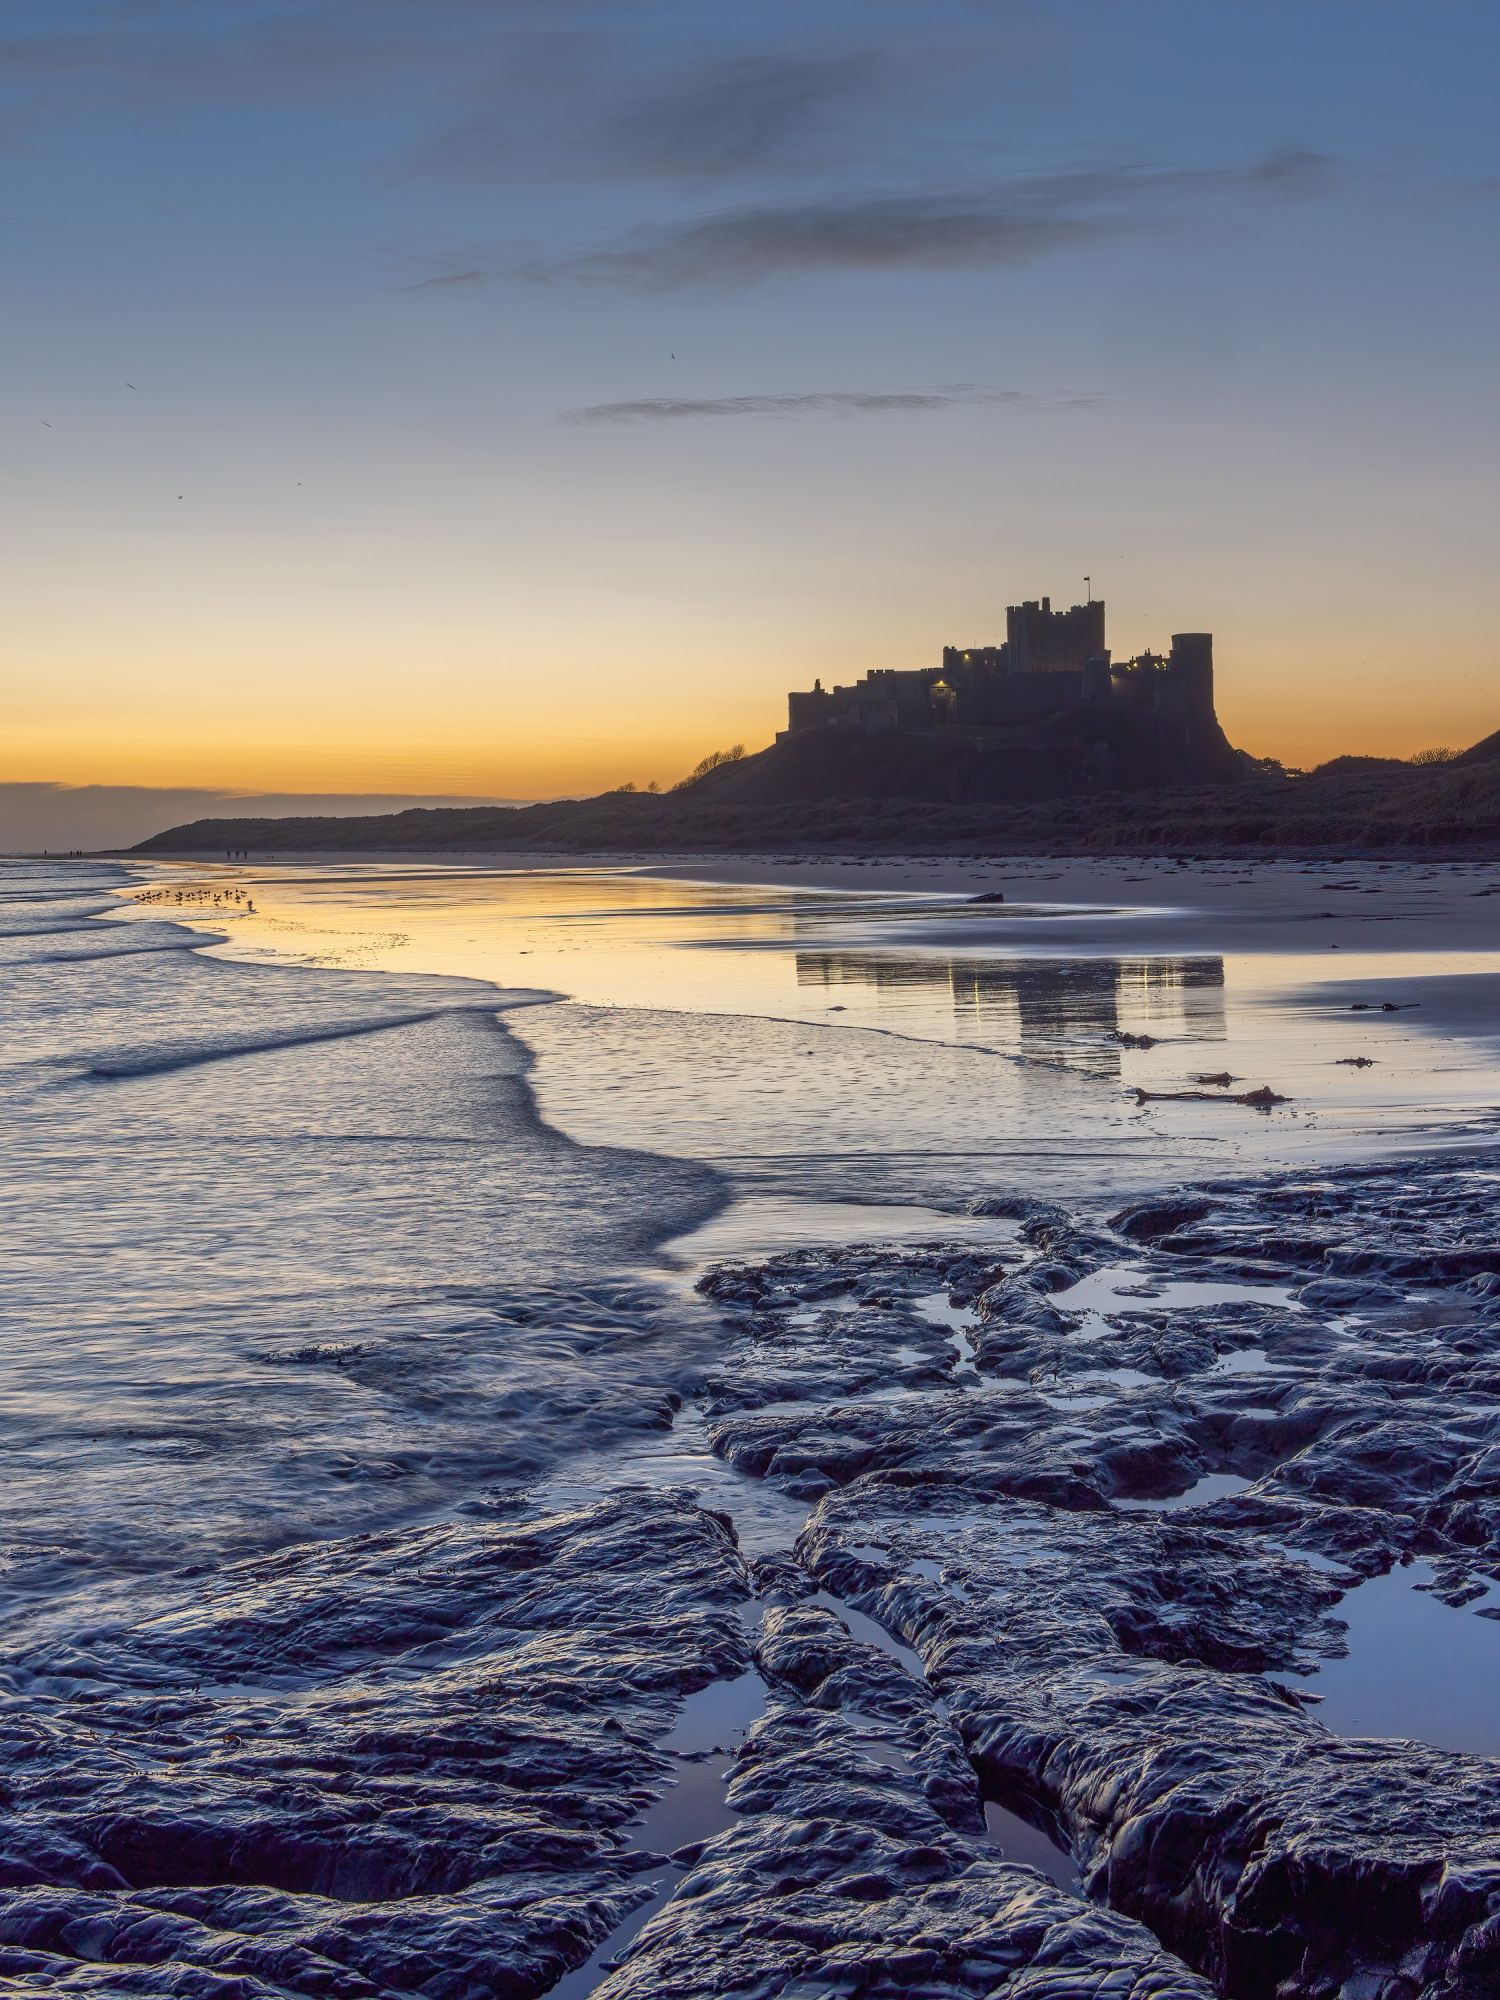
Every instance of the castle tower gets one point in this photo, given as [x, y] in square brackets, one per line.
[1040, 640]
[1192, 667]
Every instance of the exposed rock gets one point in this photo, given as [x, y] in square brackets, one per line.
[1115, 1670]
[1148, 1220]
[862, 1864]
[1105, 1539]
[1262, 1099]
[395, 1764]
[1125, 1695]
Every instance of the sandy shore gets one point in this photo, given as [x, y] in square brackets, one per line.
[1241, 905]
[1164, 906]
[1423, 937]
[1139, 905]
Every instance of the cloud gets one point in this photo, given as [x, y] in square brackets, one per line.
[851, 233]
[580, 105]
[450, 278]
[730, 118]
[1291, 170]
[1005, 224]
[820, 403]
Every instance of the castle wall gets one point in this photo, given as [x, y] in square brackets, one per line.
[1014, 698]
[1051, 661]
[808, 709]
[1098, 682]
[975, 659]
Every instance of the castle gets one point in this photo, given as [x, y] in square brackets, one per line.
[1052, 662]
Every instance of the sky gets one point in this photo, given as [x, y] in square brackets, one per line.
[517, 397]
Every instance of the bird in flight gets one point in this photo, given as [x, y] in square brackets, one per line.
[48, 426]
[130, 385]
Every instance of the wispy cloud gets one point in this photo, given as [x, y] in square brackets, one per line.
[731, 118]
[821, 403]
[455, 279]
[850, 233]
[561, 106]
[1005, 224]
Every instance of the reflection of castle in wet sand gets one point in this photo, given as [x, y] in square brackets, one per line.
[1067, 1009]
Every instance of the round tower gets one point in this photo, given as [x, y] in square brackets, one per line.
[1192, 668]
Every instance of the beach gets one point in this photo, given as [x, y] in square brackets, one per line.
[578, 1428]
[919, 1039]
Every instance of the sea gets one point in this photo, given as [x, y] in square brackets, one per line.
[338, 1198]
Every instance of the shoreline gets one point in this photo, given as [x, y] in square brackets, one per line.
[956, 989]
[937, 1541]
[1161, 907]
[1087, 879]
[1477, 854]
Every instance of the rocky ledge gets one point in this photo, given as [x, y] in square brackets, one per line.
[397, 1764]
[459, 1761]
[1038, 1704]
[1119, 1539]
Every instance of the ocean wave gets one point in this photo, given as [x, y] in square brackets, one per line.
[334, 1167]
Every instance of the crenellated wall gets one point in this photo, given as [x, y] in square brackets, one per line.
[1051, 661]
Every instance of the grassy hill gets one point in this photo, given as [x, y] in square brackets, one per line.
[1354, 804]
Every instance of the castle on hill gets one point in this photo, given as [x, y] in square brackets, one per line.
[1052, 663]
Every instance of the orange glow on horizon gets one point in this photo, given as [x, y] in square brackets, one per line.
[278, 739]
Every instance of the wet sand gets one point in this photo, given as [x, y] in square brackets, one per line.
[1071, 906]
[1007, 1037]
[1172, 907]
[1440, 904]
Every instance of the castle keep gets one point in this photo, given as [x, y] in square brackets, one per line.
[1052, 662]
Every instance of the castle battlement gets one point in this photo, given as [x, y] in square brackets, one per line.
[1050, 661]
